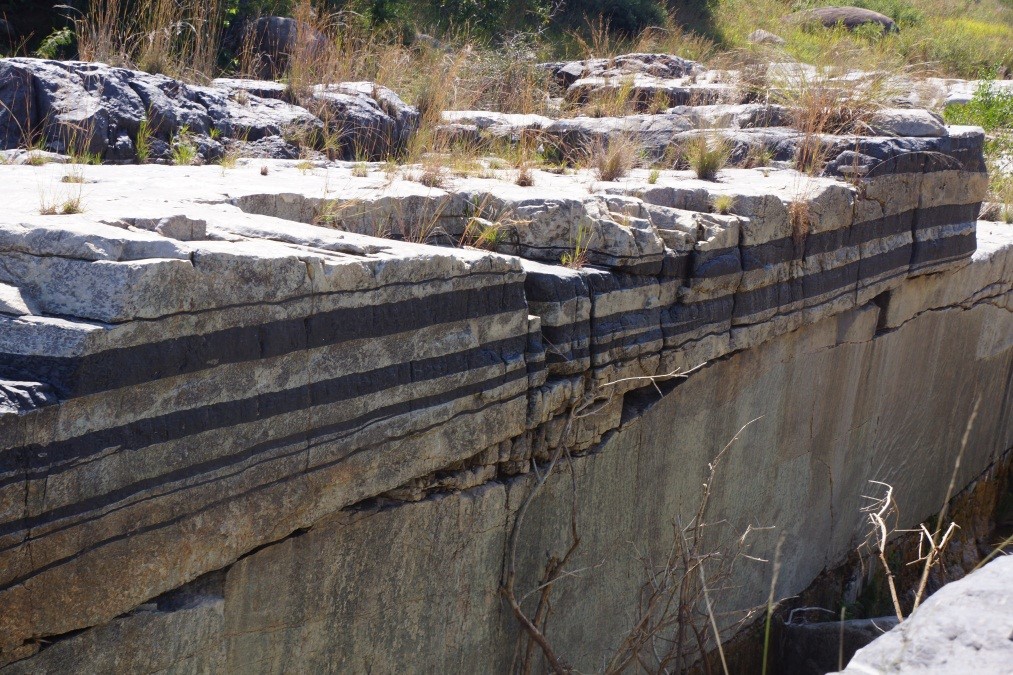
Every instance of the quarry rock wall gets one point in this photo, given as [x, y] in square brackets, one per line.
[240, 432]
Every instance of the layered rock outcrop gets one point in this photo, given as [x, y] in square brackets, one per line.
[235, 403]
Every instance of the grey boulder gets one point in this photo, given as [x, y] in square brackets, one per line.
[849, 17]
[369, 121]
[765, 37]
[657, 65]
[273, 40]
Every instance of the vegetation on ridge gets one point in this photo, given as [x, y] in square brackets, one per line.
[947, 37]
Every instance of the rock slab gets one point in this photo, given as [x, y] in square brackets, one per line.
[965, 627]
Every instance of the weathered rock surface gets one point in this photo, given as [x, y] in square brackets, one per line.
[92, 108]
[657, 65]
[964, 627]
[905, 122]
[648, 81]
[325, 598]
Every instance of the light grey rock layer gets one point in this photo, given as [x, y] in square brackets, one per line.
[965, 627]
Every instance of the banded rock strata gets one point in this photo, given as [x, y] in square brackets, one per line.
[205, 362]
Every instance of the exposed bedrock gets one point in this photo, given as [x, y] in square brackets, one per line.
[78, 107]
[416, 585]
[245, 418]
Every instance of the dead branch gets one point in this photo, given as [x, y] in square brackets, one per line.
[936, 547]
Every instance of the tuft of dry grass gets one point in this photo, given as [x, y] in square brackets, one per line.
[707, 155]
[179, 38]
[75, 174]
[51, 204]
[525, 177]
[432, 176]
[798, 217]
[615, 158]
[822, 101]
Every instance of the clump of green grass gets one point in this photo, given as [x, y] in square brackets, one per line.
[723, 204]
[360, 170]
[757, 157]
[184, 150]
[577, 256]
[482, 233]
[707, 156]
[72, 205]
[142, 143]
[230, 158]
[653, 177]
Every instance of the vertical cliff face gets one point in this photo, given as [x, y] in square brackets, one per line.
[237, 426]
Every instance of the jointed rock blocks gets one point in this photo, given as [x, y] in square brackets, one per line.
[95, 109]
[171, 421]
[193, 370]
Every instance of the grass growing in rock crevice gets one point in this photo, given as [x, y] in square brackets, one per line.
[707, 156]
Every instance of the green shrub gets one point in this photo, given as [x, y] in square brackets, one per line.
[628, 17]
[990, 108]
[56, 45]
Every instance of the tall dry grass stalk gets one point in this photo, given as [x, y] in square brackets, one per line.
[615, 157]
[101, 32]
[180, 38]
[883, 515]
